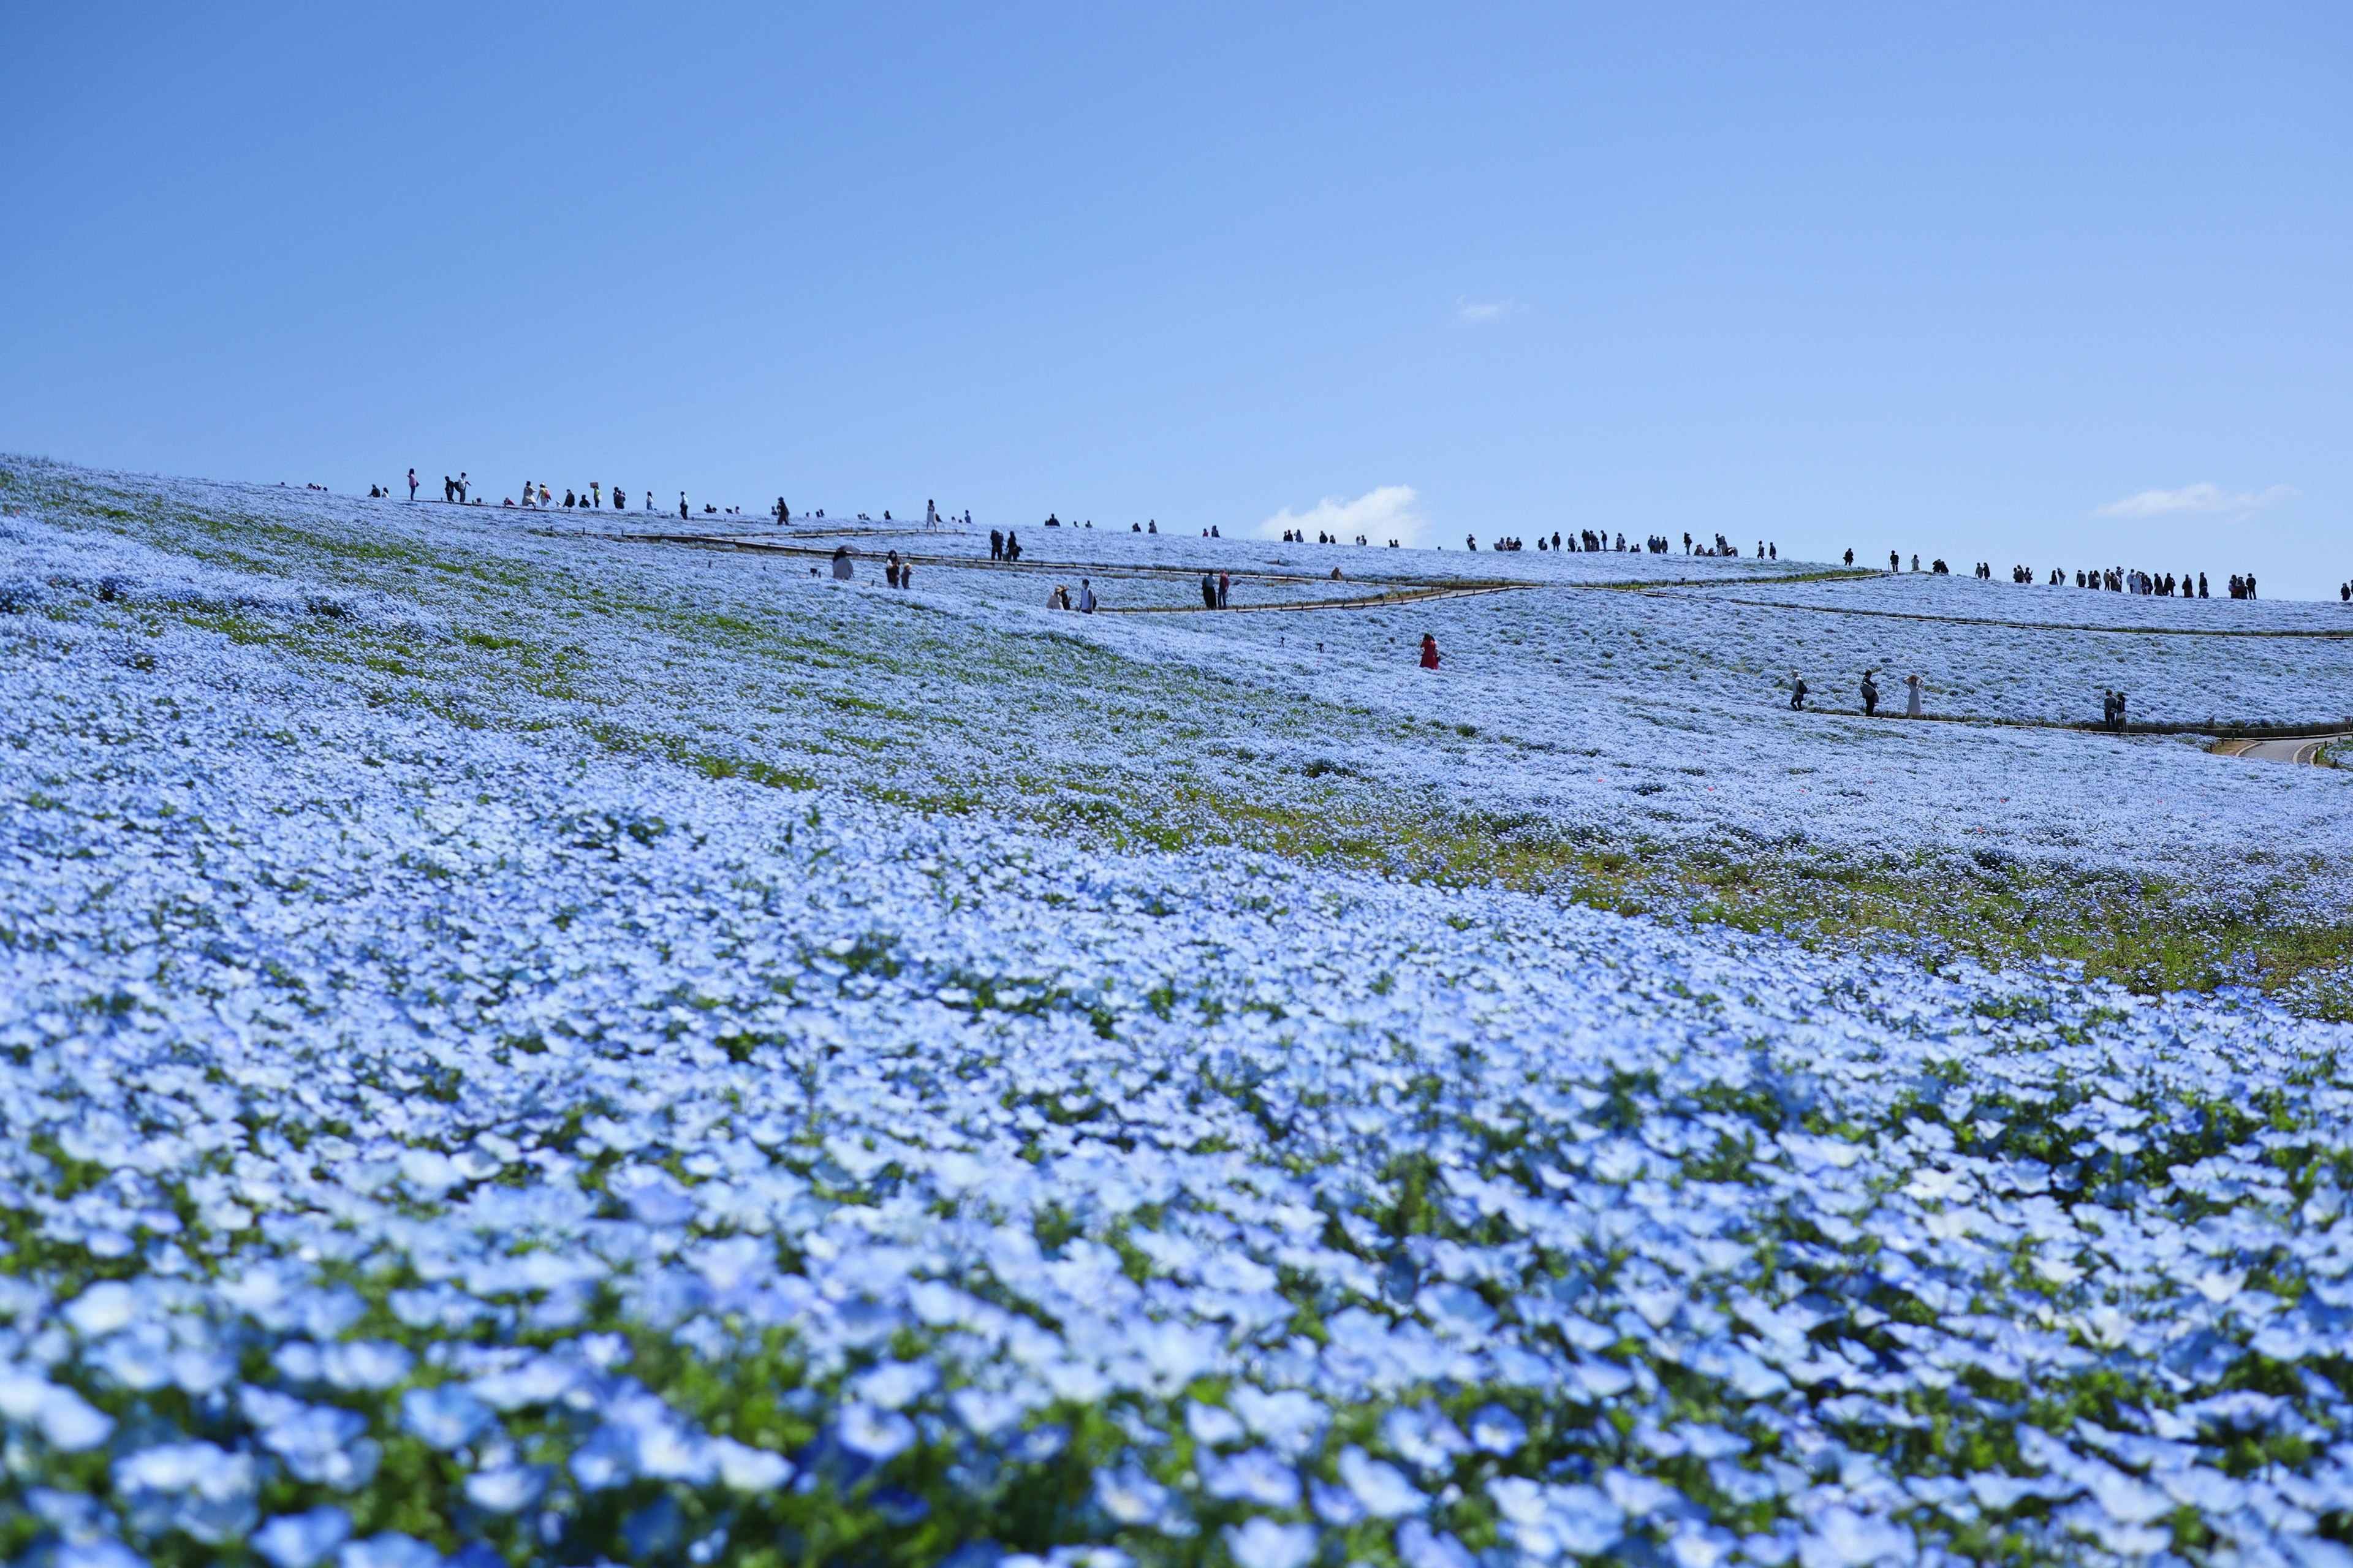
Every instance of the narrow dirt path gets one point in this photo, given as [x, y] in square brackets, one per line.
[2288, 750]
[1403, 590]
[1366, 601]
[2021, 625]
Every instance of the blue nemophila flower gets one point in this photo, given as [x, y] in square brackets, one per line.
[63, 1418]
[1378, 1490]
[300, 1540]
[873, 1432]
[1255, 1475]
[1131, 1496]
[1261, 1543]
[447, 1417]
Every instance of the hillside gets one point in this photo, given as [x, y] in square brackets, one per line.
[529, 1043]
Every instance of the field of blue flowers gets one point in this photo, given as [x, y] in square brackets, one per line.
[432, 1131]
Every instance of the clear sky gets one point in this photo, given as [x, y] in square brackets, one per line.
[2059, 285]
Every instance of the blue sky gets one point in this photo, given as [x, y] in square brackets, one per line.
[2066, 286]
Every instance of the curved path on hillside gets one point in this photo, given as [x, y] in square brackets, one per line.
[2288, 750]
[1403, 588]
[1660, 590]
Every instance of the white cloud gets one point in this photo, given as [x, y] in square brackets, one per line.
[2198, 500]
[1477, 312]
[1380, 515]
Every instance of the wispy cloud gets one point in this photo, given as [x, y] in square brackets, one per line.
[1380, 515]
[1477, 312]
[2199, 500]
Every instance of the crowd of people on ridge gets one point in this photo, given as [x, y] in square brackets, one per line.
[2114, 579]
[537, 495]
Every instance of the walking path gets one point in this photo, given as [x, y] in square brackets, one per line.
[2288, 750]
[1366, 601]
[2022, 626]
[1407, 587]
[1108, 569]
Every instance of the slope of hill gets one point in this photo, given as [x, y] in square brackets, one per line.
[533, 1046]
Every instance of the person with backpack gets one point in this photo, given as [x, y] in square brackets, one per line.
[1797, 692]
[1869, 693]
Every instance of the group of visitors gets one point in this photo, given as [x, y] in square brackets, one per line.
[536, 494]
[2164, 585]
[1005, 546]
[2112, 702]
[897, 573]
[383, 492]
[1913, 687]
[2114, 579]
[1216, 588]
[1059, 598]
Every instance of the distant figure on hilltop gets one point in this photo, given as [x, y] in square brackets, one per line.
[412, 484]
[681, 506]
